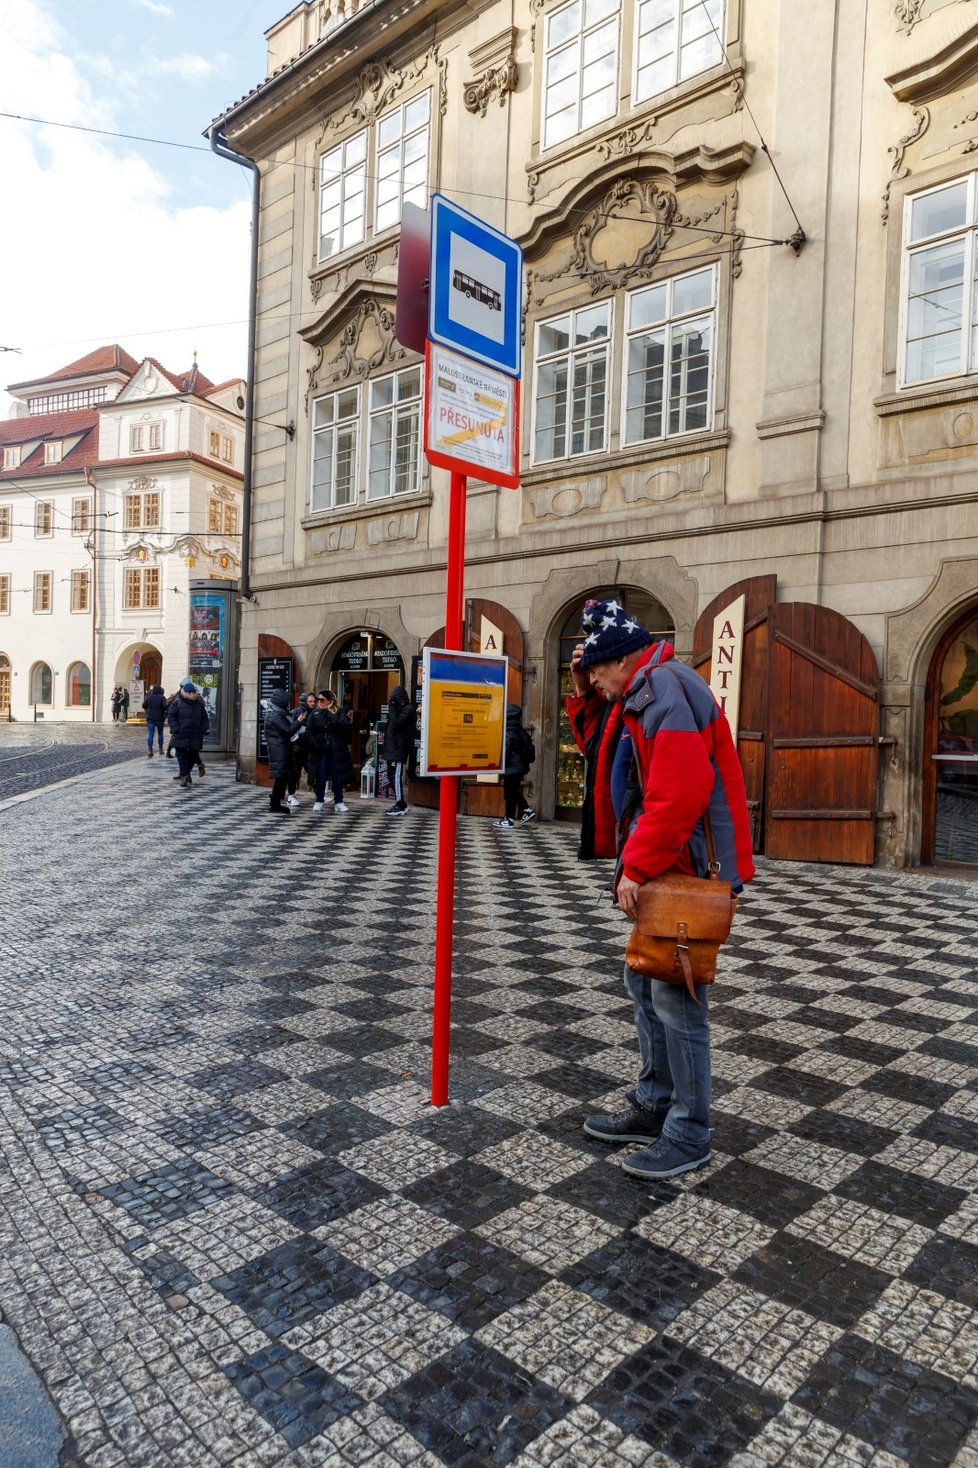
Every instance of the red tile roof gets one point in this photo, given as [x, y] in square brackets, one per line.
[45, 426]
[103, 359]
[222, 385]
[146, 461]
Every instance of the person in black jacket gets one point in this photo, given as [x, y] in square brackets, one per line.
[398, 744]
[520, 754]
[300, 745]
[330, 732]
[188, 721]
[154, 707]
[278, 737]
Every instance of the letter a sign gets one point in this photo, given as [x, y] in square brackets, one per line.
[726, 660]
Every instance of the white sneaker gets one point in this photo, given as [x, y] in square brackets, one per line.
[503, 824]
[343, 809]
[293, 800]
[318, 806]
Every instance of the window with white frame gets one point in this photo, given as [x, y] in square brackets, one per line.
[335, 434]
[81, 516]
[136, 439]
[387, 417]
[940, 283]
[80, 582]
[373, 174]
[79, 686]
[43, 581]
[214, 443]
[11, 456]
[155, 436]
[580, 67]
[6, 522]
[141, 588]
[669, 41]
[43, 518]
[42, 684]
[669, 331]
[142, 510]
[675, 40]
[395, 434]
[53, 451]
[5, 594]
[572, 359]
[227, 448]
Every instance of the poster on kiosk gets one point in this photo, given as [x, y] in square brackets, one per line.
[463, 713]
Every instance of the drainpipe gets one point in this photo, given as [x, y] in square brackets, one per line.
[220, 146]
[90, 481]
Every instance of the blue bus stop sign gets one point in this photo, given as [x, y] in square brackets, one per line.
[476, 288]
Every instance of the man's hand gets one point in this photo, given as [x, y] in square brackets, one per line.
[628, 896]
[582, 682]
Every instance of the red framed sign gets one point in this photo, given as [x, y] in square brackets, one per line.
[472, 417]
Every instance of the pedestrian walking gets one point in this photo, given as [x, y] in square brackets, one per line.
[123, 704]
[188, 722]
[329, 737]
[278, 738]
[115, 702]
[519, 756]
[154, 707]
[398, 744]
[683, 764]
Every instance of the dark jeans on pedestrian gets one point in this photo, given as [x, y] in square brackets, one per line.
[323, 769]
[279, 786]
[154, 726]
[516, 803]
[186, 759]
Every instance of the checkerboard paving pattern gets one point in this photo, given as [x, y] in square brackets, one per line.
[235, 1231]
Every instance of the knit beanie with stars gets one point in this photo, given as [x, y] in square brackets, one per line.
[611, 633]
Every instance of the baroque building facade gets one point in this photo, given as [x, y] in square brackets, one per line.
[750, 234]
[120, 486]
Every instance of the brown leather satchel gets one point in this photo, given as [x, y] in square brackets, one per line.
[681, 924]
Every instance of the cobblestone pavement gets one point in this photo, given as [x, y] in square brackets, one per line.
[234, 1232]
[35, 755]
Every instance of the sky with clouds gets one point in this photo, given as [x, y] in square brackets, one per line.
[113, 241]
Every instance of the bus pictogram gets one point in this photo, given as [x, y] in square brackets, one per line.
[474, 290]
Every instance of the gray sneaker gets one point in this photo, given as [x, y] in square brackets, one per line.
[634, 1124]
[666, 1158]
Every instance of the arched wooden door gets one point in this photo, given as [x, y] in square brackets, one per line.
[823, 732]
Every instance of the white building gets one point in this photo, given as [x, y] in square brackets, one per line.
[120, 483]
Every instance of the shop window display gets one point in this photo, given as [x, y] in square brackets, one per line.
[956, 754]
[569, 792]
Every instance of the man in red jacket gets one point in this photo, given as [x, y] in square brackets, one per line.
[681, 761]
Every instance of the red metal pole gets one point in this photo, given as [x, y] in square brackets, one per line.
[447, 812]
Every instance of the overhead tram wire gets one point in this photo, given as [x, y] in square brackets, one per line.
[468, 193]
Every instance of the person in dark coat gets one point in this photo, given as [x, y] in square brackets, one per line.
[154, 707]
[278, 737]
[519, 755]
[398, 744]
[115, 701]
[330, 732]
[123, 704]
[300, 745]
[188, 721]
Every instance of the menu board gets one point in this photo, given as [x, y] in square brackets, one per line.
[273, 673]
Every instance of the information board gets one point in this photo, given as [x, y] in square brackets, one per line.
[463, 713]
[273, 673]
[472, 418]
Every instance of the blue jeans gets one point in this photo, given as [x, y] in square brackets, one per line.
[674, 1055]
[152, 724]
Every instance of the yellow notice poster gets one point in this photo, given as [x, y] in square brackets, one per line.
[463, 713]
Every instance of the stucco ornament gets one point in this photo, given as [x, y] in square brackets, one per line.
[378, 84]
[366, 342]
[631, 202]
[498, 81]
[899, 170]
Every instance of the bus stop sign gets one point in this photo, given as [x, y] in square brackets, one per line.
[476, 288]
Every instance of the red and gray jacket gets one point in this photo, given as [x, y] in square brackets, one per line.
[686, 760]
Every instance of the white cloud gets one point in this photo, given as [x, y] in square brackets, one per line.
[101, 251]
[156, 8]
[190, 68]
